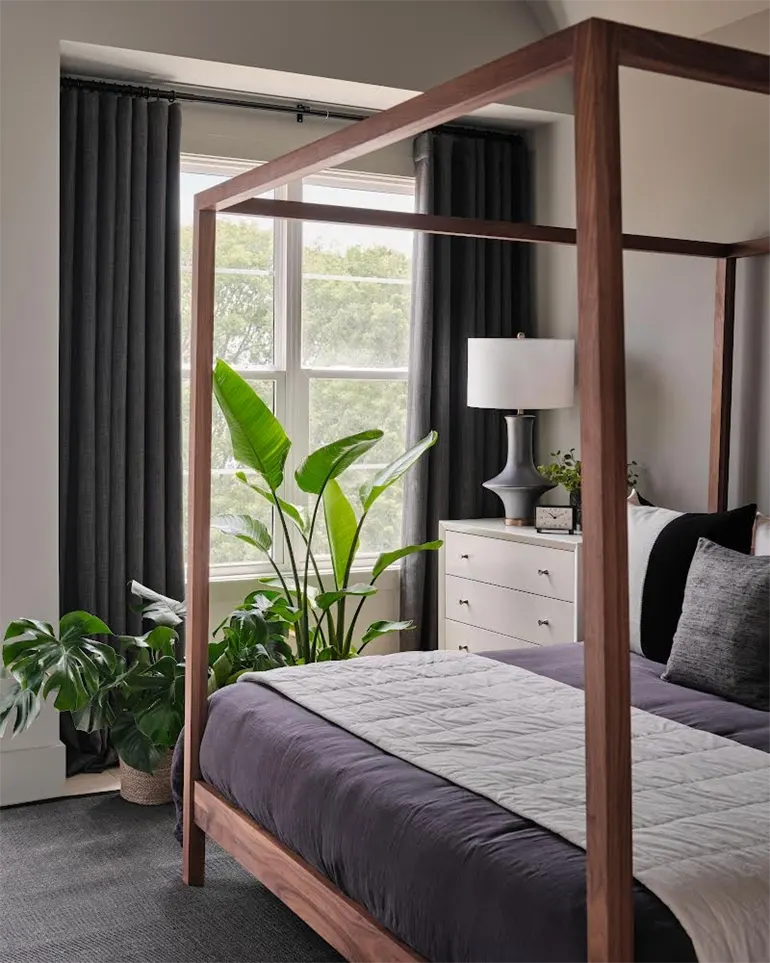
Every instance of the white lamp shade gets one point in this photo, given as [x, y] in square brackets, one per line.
[521, 373]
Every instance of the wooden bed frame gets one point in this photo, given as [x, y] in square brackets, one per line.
[594, 50]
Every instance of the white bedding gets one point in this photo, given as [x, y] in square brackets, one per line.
[701, 802]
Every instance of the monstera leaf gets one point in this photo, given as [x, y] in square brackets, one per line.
[24, 702]
[72, 665]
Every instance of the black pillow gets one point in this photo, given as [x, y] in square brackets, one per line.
[722, 642]
[661, 545]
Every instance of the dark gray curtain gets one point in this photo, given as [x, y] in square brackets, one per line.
[120, 462]
[462, 288]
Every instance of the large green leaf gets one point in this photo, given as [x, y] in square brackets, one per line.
[332, 460]
[74, 677]
[257, 437]
[28, 626]
[161, 639]
[157, 608]
[246, 528]
[377, 629]
[297, 513]
[24, 702]
[73, 666]
[161, 721]
[391, 473]
[76, 625]
[133, 746]
[386, 559]
[341, 526]
[326, 599]
[102, 708]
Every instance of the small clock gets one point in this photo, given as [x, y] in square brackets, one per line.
[559, 519]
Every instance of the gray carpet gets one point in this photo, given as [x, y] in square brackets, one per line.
[96, 879]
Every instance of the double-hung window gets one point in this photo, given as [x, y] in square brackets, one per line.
[316, 317]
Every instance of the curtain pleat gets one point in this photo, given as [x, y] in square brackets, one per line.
[120, 364]
[462, 288]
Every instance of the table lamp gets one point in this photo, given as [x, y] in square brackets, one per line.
[518, 373]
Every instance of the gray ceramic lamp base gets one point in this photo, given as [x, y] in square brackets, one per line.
[519, 485]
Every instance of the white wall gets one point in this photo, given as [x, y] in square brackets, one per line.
[406, 45]
[695, 164]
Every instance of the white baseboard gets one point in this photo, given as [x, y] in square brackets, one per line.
[30, 774]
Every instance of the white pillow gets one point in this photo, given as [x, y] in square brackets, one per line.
[761, 545]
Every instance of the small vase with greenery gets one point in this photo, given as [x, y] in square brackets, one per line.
[565, 470]
[325, 616]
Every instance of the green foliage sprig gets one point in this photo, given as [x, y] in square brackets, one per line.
[565, 470]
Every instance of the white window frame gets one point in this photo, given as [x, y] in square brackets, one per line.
[291, 380]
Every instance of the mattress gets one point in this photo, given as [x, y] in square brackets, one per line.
[450, 873]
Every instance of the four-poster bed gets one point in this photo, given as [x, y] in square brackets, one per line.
[594, 51]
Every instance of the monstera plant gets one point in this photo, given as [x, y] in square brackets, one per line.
[325, 617]
[133, 685]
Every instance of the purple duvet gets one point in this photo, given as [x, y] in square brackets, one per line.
[450, 873]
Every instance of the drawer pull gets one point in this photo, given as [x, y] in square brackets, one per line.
[463, 648]
[465, 555]
[542, 571]
[542, 621]
[462, 602]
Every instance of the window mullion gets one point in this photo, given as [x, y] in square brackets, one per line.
[297, 420]
[280, 555]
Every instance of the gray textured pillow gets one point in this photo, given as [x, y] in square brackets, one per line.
[722, 641]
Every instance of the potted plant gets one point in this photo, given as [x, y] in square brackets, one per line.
[135, 686]
[323, 626]
[565, 470]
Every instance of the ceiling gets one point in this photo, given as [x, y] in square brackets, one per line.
[690, 18]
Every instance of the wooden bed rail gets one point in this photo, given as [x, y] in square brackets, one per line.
[464, 226]
[339, 920]
[596, 49]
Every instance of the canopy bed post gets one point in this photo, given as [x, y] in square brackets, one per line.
[722, 384]
[199, 492]
[601, 368]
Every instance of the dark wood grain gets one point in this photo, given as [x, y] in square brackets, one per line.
[710, 63]
[601, 369]
[483, 85]
[199, 510]
[722, 385]
[756, 247]
[462, 226]
[343, 923]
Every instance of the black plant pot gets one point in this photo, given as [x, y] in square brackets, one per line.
[575, 502]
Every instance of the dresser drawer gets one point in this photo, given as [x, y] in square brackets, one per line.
[533, 618]
[470, 638]
[516, 565]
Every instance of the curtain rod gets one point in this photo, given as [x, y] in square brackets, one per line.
[300, 110]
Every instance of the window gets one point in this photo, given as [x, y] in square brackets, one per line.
[316, 317]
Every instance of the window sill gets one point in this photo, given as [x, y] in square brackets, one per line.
[388, 581]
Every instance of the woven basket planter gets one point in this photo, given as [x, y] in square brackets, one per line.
[144, 788]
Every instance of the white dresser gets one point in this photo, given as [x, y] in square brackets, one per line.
[504, 587]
